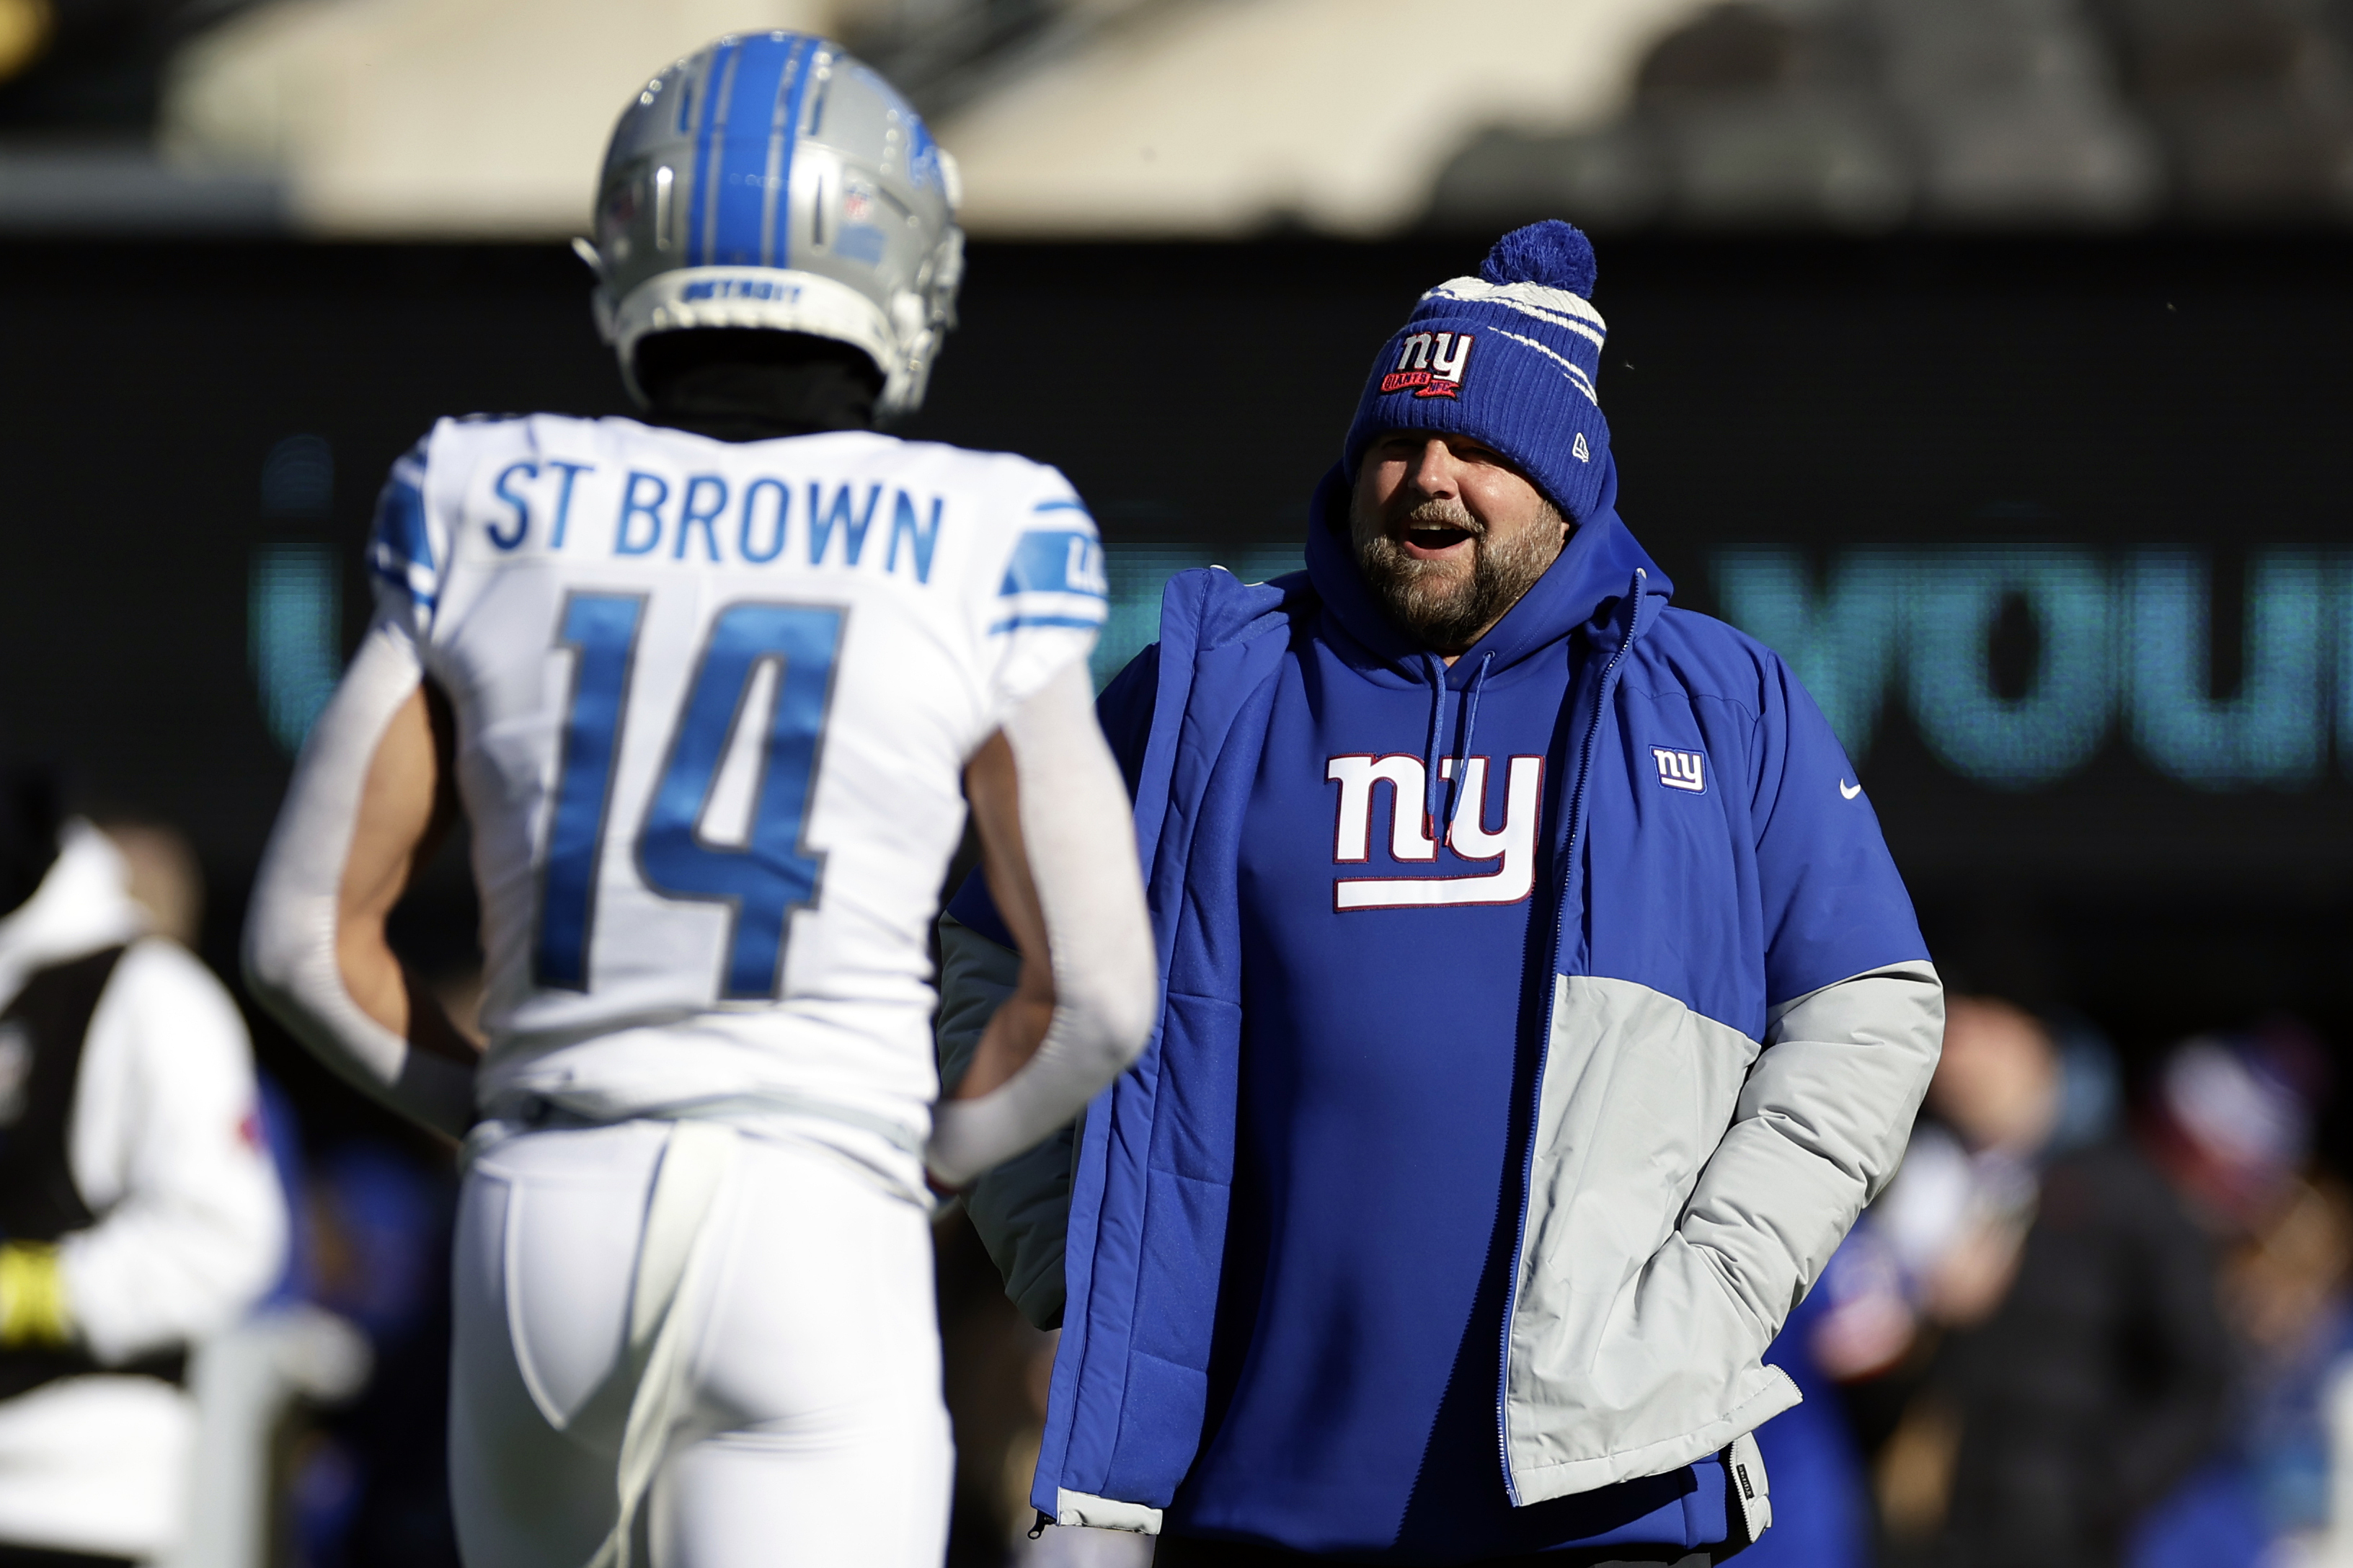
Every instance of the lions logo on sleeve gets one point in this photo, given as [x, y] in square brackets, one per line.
[1050, 603]
[1056, 577]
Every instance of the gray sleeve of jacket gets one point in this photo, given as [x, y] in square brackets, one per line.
[1821, 1127]
[1021, 1208]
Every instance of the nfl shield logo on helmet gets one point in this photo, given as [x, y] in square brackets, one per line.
[1430, 364]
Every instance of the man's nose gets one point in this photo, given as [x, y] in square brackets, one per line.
[1435, 472]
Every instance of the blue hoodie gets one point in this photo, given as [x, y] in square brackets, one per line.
[1300, 1229]
[1352, 1382]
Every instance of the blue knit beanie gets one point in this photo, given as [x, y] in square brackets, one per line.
[1508, 358]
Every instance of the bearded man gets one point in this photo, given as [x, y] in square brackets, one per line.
[1541, 1007]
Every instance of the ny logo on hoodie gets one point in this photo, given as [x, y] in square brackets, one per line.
[1514, 846]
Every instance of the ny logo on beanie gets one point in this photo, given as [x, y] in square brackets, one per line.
[1430, 365]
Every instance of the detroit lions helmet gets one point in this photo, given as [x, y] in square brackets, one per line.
[773, 181]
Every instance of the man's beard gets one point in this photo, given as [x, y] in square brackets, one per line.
[1442, 603]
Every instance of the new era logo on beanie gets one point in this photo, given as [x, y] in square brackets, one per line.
[1508, 358]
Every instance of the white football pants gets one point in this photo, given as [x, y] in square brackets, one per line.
[813, 1433]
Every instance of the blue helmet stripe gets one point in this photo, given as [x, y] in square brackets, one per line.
[787, 133]
[778, 168]
[742, 178]
[697, 219]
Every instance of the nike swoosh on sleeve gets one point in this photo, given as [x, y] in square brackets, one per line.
[1848, 789]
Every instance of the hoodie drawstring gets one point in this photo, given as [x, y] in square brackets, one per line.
[1442, 820]
[1435, 668]
[1470, 728]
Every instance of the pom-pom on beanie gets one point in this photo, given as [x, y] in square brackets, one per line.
[1509, 358]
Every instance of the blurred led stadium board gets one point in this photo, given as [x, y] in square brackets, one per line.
[2119, 646]
[2016, 665]
[2060, 533]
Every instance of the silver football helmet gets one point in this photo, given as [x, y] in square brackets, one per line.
[773, 181]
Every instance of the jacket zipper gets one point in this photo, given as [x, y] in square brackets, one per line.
[1543, 1044]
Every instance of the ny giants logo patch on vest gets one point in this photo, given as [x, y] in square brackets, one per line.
[1512, 848]
[1685, 771]
[1430, 365]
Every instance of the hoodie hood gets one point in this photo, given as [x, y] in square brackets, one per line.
[1587, 583]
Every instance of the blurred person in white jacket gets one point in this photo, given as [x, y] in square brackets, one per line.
[139, 1211]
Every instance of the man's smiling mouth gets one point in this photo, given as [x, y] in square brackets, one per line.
[1434, 537]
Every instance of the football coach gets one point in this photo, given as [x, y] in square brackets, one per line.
[1541, 1006]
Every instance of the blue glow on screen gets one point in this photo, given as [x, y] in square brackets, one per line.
[2059, 722]
[2119, 637]
[2275, 729]
[1840, 637]
[1139, 573]
[294, 619]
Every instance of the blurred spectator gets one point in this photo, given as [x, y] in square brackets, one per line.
[139, 1209]
[368, 1484]
[2231, 1125]
[2052, 1295]
[365, 1481]
[161, 874]
[1821, 1495]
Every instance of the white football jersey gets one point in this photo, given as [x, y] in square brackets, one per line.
[713, 702]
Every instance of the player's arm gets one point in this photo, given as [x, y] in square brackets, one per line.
[1058, 842]
[370, 800]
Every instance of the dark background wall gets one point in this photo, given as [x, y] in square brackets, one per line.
[1813, 394]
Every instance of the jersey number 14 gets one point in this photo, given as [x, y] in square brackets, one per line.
[761, 880]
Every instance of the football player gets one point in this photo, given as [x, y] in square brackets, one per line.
[713, 689]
